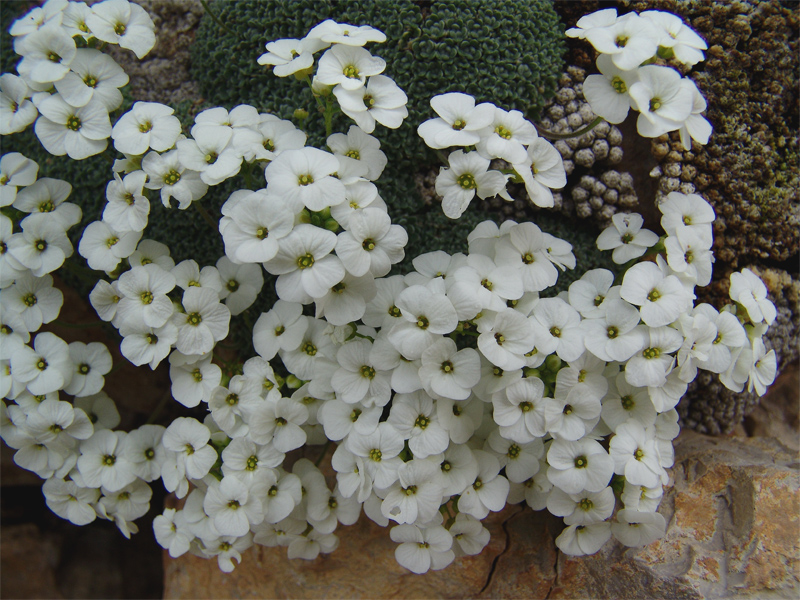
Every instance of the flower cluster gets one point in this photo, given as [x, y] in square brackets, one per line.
[65, 83]
[494, 133]
[628, 47]
[448, 392]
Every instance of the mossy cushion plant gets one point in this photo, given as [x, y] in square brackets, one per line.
[510, 53]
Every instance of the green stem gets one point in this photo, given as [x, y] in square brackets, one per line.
[161, 404]
[79, 270]
[564, 136]
[322, 454]
[320, 104]
[330, 109]
[205, 214]
[213, 15]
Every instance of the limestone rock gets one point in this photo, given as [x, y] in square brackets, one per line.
[733, 513]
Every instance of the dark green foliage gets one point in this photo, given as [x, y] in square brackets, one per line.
[509, 53]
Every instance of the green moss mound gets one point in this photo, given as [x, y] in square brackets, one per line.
[510, 53]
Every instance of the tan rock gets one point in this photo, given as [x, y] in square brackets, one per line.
[733, 513]
[364, 567]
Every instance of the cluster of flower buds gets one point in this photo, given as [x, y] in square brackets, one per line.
[65, 83]
[494, 133]
[628, 45]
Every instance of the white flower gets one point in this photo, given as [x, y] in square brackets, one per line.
[189, 439]
[624, 402]
[210, 153]
[124, 23]
[506, 136]
[689, 210]
[634, 528]
[357, 380]
[277, 420]
[426, 313]
[630, 40]
[166, 173]
[104, 461]
[505, 343]
[348, 66]
[362, 147]
[47, 196]
[92, 361]
[685, 43]
[488, 492]
[599, 18]
[580, 540]
[748, 290]
[381, 100]
[662, 299]
[649, 367]
[764, 368]
[415, 417]
[171, 531]
[241, 284]
[422, 549]
[607, 94]
[93, 76]
[145, 300]
[232, 506]
[521, 461]
[304, 264]
[519, 410]
[257, 223]
[146, 125]
[689, 254]
[103, 247]
[42, 246]
[76, 132]
[579, 466]
[127, 208]
[371, 244]
[459, 121]
[69, 501]
[203, 322]
[288, 56]
[615, 336]
[52, 10]
[416, 495]
[467, 176]
[34, 298]
[469, 535]
[696, 127]
[626, 237]
[581, 509]
[557, 329]
[635, 454]
[142, 344]
[45, 368]
[663, 98]
[304, 178]
[47, 54]
[16, 109]
[15, 171]
[524, 249]
[331, 32]
[379, 451]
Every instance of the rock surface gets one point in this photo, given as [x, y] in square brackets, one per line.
[733, 513]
